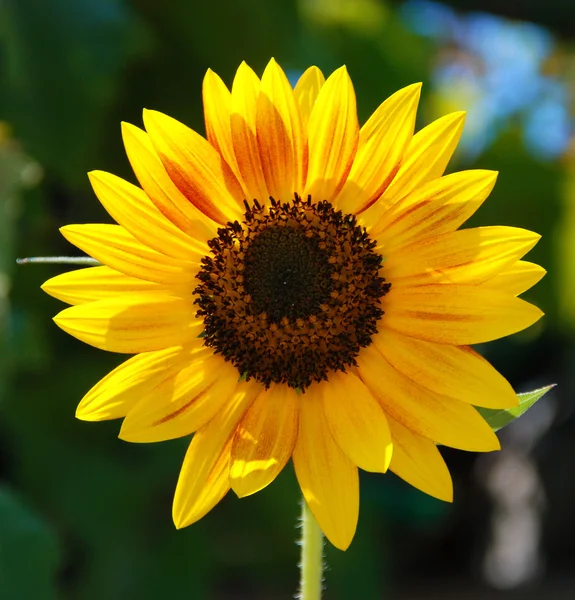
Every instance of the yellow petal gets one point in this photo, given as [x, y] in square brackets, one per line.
[457, 372]
[204, 478]
[456, 314]
[200, 488]
[132, 323]
[133, 210]
[195, 167]
[161, 189]
[444, 420]
[356, 421]
[437, 207]
[333, 134]
[98, 283]
[418, 461]
[469, 256]
[307, 90]
[245, 92]
[383, 141]
[280, 136]
[114, 395]
[184, 401]
[264, 440]
[425, 159]
[116, 248]
[517, 279]
[327, 477]
[217, 106]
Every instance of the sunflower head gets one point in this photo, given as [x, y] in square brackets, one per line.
[295, 286]
[302, 272]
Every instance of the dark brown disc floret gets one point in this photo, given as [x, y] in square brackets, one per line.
[291, 293]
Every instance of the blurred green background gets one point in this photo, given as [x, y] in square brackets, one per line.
[85, 516]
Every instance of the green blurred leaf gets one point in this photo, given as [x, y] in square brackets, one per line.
[29, 552]
[499, 418]
[61, 70]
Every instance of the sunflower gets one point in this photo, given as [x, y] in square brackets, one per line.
[295, 286]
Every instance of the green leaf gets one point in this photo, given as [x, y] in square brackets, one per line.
[63, 64]
[29, 553]
[499, 418]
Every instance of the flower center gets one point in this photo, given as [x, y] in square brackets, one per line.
[291, 293]
[286, 273]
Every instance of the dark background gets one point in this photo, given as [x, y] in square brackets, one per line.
[85, 516]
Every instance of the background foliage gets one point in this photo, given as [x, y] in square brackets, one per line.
[85, 516]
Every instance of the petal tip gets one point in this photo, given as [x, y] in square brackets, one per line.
[178, 524]
[48, 288]
[96, 175]
[211, 78]
[243, 67]
[339, 74]
[125, 434]
[83, 414]
[343, 543]
[388, 456]
[127, 129]
[239, 491]
[447, 495]
[178, 514]
[149, 115]
[490, 441]
[80, 415]
[133, 435]
[272, 69]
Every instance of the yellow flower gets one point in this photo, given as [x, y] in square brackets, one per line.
[296, 286]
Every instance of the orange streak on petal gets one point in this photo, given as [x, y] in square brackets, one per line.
[333, 134]
[307, 90]
[456, 314]
[161, 189]
[426, 157]
[437, 207]
[118, 249]
[131, 207]
[280, 135]
[382, 144]
[185, 401]
[264, 440]
[328, 478]
[195, 167]
[204, 478]
[217, 106]
[243, 111]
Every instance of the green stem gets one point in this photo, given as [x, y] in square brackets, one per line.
[58, 260]
[311, 565]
